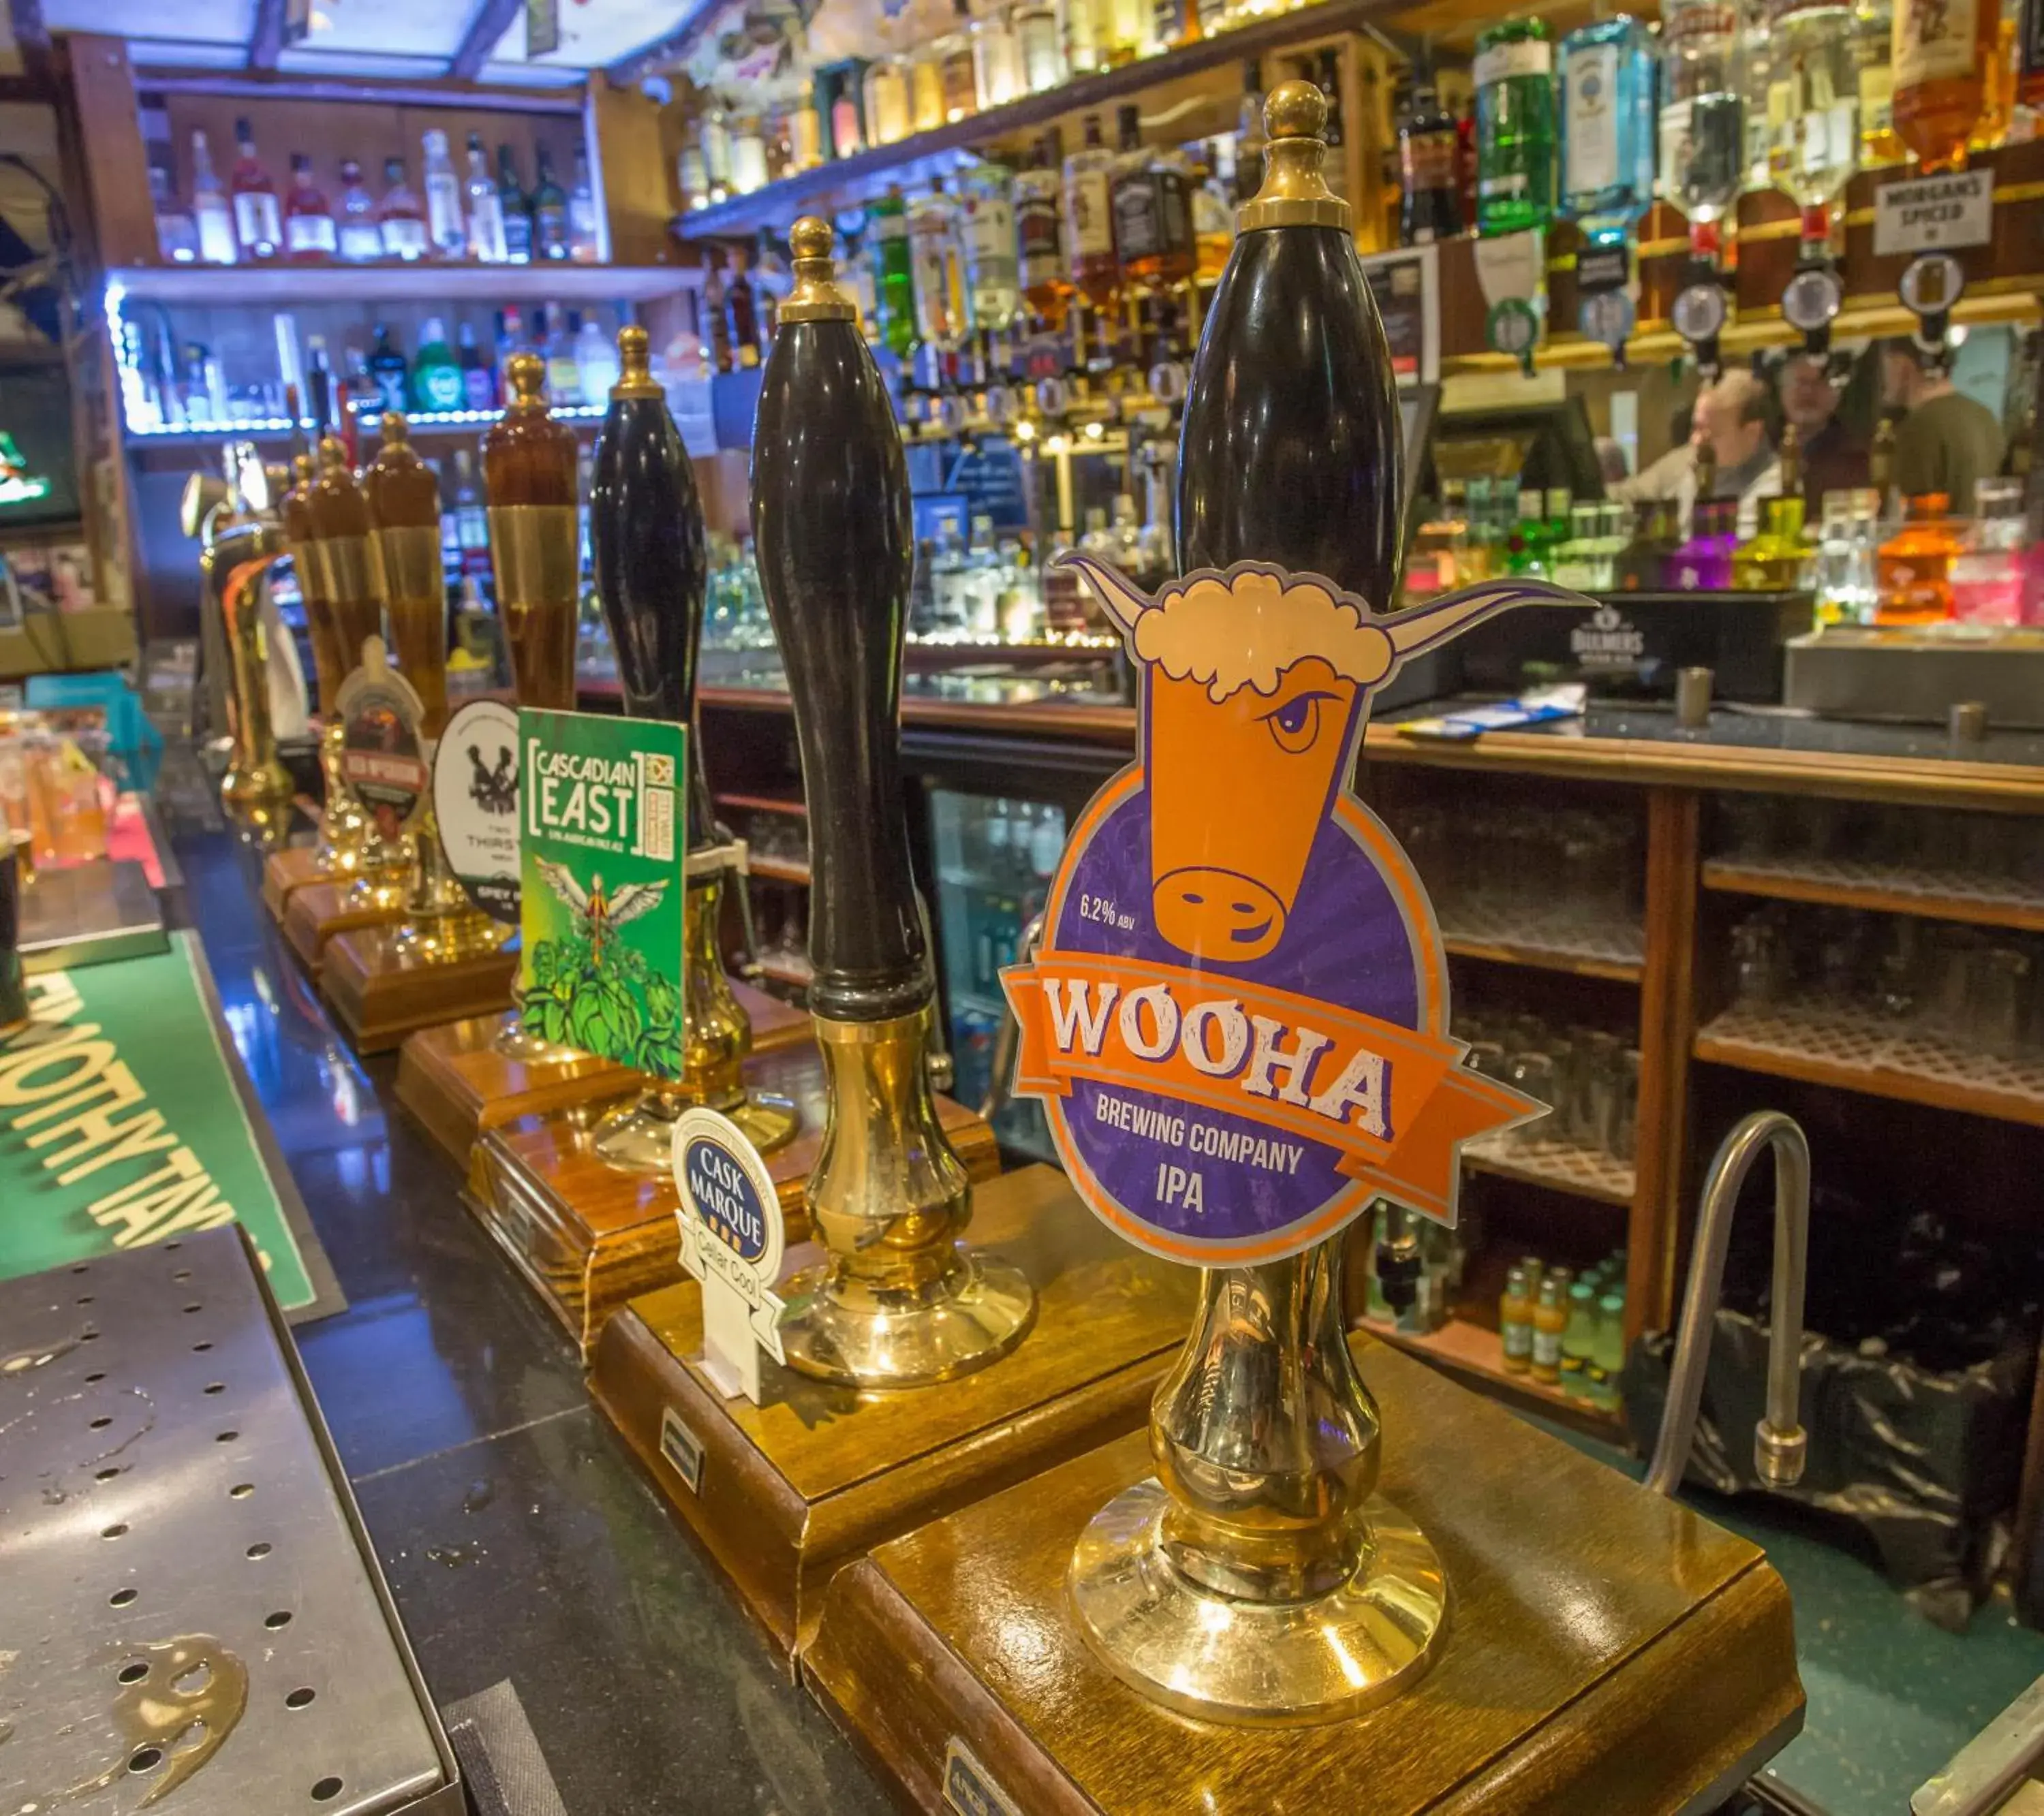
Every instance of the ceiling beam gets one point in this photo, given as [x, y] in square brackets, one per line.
[268, 39]
[665, 49]
[493, 18]
[32, 38]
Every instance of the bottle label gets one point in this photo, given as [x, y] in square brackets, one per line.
[476, 391]
[886, 227]
[1674, 148]
[1137, 226]
[1876, 101]
[1688, 26]
[1527, 57]
[403, 237]
[305, 233]
[391, 384]
[1518, 1340]
[989, 231]
[441, 387]
[1546, 1349]
[1088, 210]
[518, 234]
[1933, 42]
[256, 221]
[1428, 161]
[1592, 120]
[1041, 234]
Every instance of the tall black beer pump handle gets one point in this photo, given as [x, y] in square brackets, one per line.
[647, 550]
[832, 531]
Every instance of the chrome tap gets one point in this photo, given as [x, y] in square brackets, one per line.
[1780, 1442]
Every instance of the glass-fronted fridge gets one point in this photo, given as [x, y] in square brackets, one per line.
[995, 856]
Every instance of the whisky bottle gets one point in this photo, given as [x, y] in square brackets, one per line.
[529, 474]
[898, 1302]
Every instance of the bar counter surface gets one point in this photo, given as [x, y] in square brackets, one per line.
[520, 1540]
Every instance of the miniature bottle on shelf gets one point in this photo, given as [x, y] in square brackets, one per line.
[258, 223]
[212, 213]
[1515, 127]
[177, 232]
[436, 376]
[551, 238]
[1941, 56]
[1915, 565]
[887, 225]
[361, 235]
[445, 215]
[309, 234]
[585, 227]
[1090, 217]
[1703, 116]
[1987, 575]
[1607, 126]
[1430, 198]
[486, 243]
[513, 209]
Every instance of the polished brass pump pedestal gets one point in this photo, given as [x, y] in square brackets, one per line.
[900, 1301]
[235, 565]
[1260, 1577]
[717, 1037]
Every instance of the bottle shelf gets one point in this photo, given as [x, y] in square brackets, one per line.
[846, 180]
[226, 286]
[763, 804]
[789, 968]
[778, 869]
[1883, 888]
[421, 423]
[1475, 1353]
[1522, 935]
[1858, 1049]
[1561, 1166]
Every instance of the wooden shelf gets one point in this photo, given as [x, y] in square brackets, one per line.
[778, 869]
[797, 972]
[1544, 957]
[1883, 888]
[271, 286]
[1561, 1166]
[1858, 1051]
[763, 804]
[1474, 1353]
[852, 178]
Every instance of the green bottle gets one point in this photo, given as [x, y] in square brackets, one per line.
[1515, 127]
[1607, 1362]
[1577, 1338]
[893, 279]
[436, 377]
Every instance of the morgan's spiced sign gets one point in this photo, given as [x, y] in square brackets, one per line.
[1238, 1019]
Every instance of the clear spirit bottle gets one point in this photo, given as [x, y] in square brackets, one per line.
[986, 202]
[1703, 115]
[936, 252]
[1515, 127]
[1607, 126]
[1812, 109]
[211, 209]
[487, 241]
[444, 225]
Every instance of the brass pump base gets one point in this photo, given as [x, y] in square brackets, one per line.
[899, 1302]
[1224, 1658]
[640, 1137]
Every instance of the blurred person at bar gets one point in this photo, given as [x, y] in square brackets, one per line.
[1835, 457]
[1946, 440]
[1733, 417]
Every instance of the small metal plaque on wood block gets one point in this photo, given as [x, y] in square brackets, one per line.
[970, 1789]
[682, 1448]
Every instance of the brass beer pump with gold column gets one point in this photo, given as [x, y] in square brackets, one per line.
[241, 552]
[1037, 1336]
[1368, 1587]
[443, 959]
[376, 891]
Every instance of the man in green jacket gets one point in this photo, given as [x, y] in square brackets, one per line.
[1947, 440]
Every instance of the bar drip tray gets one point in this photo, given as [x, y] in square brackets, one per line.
[196, 1619]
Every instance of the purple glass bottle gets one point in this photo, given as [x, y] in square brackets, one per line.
[1703, 564]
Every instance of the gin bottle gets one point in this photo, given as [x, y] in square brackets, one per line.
[1703, 115]
[1607, 125]
[1812, 109]
[1515, 127]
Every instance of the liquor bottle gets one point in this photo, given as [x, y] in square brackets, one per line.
[401, 221]
[713, 316]
[513, 209]
[551, 234]
[1941, 54]
[1090, 217]
[997, 59]
[1915, 570]
[887, 225]
[445, 215]
[597, 369]
[1607, 126]
[1213, 220]
[1430, 201]
[211, 210]
[359, 238]
[1703, 116]
[584, 224]
[436, 375]
[1779, 557]
[487, 242]
[1133, 203]
[1515, 127]
[390, 370]
[1987, 576]
[556, 345]
[1249, 139]
[529, 474]
[258, 225]
[471, 521]
[478, 383]
[741, 306]
[1873, 33]
[177, 232]
[309, 234]
[986, 204]
[1812, 110]
[944, 316]
[1323, 69]
[1037, 37]
[832, 527]
[1040, 221]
